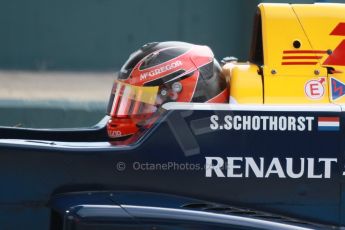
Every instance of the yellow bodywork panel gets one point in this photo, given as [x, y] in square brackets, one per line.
[245, 83]
[324, 25]
[303, 61]
[280, 28]
[296, 43]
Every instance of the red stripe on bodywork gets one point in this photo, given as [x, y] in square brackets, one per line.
[328, 119]
[304, 51]
[302, 57]
[339, 29]
[338, 56]
[299, 63]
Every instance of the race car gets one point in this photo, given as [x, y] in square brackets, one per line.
[188, 143]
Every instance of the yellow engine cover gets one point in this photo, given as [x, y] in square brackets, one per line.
[299, 42]
[245, 83]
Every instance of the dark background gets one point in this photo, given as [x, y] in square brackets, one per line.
[98, 35]
[58, 58]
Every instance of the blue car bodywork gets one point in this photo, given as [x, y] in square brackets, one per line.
[193, 162]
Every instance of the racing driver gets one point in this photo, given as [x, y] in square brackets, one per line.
[159, 73]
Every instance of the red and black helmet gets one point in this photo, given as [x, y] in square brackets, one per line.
[159, 73]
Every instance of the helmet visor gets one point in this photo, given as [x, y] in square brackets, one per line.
[129, 101]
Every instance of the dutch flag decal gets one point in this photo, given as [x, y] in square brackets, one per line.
[328, 123]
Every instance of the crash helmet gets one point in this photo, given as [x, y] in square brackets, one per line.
[159, 73]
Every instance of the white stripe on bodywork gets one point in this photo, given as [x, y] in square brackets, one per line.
[241, 107]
